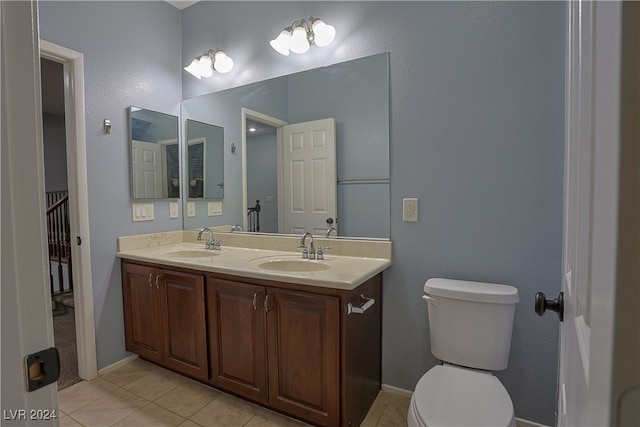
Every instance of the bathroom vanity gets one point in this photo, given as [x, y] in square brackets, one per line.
[302, 337]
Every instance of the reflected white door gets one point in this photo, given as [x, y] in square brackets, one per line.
[309, 176]
[590, 217]
[147, 170]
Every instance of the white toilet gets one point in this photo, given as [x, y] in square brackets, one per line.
[470, 325]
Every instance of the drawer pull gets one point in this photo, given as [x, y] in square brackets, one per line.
[255, 301]
[368, 303]
[150, 284]
[158, 281]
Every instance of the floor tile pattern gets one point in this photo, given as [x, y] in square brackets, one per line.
[140, 394]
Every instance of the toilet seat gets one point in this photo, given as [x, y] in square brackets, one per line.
[454, 396]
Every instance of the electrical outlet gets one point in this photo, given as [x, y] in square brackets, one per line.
[173, 210]
[410, 209]
[191, 209]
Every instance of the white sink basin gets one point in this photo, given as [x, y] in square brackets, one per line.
[291, 264]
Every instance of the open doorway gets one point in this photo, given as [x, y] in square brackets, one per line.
[62, 79]
[58, 220]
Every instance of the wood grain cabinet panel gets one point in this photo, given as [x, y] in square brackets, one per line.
[237, 337]
[164, 315]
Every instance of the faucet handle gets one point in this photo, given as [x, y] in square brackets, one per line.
[320, 253]
[305, 253]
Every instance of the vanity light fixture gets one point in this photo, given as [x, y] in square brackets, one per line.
[301, 34]
[203, 66]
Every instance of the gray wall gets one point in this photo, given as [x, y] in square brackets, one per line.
[476, 134]
[55, 149]
[131, 57]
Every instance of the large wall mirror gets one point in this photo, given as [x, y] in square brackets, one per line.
[155, 155]
[354, 94]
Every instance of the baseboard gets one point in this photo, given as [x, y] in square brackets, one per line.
[396, 390]
[117, 365]
[525, 423]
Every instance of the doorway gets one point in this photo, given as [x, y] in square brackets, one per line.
[73, 129]
[58, 220]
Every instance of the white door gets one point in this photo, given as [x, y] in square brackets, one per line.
[309, 176]
[27, 325]
[590, 213]
[147, 170]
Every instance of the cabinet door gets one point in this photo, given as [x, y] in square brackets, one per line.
[303, 354]
[142, 311]
[237, 337]
[185, 342]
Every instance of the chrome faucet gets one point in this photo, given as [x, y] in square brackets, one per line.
[330, 230]
[209, 244]
[307, 254]
[236, 227]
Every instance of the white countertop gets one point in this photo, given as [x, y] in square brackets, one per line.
[342, 271]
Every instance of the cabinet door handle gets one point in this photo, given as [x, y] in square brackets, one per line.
[150, 284]
[266, 303]
[255, 301]
[158, 281]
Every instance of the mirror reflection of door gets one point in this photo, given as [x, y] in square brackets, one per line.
[309, 176]
[155, 155]
[196, 152]
[147, 170]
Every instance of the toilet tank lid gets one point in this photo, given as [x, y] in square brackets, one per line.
[471, 291]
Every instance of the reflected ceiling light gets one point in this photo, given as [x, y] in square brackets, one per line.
[203, 66]
[301, 34]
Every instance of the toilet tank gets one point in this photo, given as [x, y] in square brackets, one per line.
[471, 322]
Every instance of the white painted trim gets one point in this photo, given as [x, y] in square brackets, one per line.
[73, 63]
[272, 121]
[118, 364]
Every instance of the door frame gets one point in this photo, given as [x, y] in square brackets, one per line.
[271, 121]
[73, 65]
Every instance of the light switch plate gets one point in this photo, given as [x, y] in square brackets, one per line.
[191, 209]
[214, 208]
[173, 210]
[142, 212]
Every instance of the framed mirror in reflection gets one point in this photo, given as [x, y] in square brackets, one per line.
[204, 160]
[355, 94]
[155, 155]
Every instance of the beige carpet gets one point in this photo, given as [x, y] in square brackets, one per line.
[64, 330]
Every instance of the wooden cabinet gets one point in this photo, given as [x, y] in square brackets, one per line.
[276, 346]
[237, 337]
[303, 341]
[164, 314]
[293, 348]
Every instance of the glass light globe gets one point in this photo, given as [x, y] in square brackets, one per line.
[323, 33]
[281, 43]
[194, 68]
[205, 66]
[222, 63]
[298, 42]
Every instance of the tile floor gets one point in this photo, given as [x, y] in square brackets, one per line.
[140, 394]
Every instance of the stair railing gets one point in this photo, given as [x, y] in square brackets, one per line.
[59, 238]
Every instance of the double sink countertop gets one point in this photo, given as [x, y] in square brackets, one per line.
[347, 264]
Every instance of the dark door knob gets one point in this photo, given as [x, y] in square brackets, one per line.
[543, 304]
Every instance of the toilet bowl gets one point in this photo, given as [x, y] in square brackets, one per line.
[452, 396]
[470, 326]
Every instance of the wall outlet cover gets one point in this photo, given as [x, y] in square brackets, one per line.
[410, 209]
[174, 211]
[191, 209]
